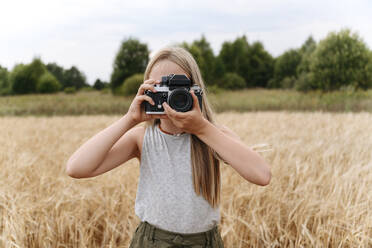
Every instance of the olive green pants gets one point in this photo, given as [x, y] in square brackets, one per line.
[147, 235]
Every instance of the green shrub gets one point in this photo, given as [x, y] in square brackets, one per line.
[131, 85]
[87, 89]
[304, 82]
[70, 90]
[214, 89]
[232, 81]
[348, 88]
[288, 82]
[5, 91]
[99, 85]
[48, 84]
[273, 83]
[105, 91]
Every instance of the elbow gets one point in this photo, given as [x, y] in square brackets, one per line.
[70, 172]
[70, 169]
[266, 179]
[74, 172]
[263, 177]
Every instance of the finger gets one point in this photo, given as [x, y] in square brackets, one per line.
[151, 81]
[168, 110]
[145, 83]
[171, 112]
[195, 100]
[142, 98]
[144, 87]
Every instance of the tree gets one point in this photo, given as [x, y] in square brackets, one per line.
[19, 77]
[37, 69]
[5, 88]
[341, 59]
[308, 46]
[235, 57]
[24, 78]
[3, 76]
[74, 77]
[196, 53]
[209, 59]
[131, 58]
[261, 65]
[305, 51]
[204, 56]
[48, 84]
[58, 72]
[285, 67]
[99, 85]
[68, 78]
[252, 62]
[219, 71]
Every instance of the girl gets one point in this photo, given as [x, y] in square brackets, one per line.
[179, 185]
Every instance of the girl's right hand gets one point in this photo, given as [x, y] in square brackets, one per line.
[136, 110]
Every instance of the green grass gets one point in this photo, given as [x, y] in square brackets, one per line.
[280, 99]
[92, 103]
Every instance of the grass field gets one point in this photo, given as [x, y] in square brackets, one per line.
[96, 103]
[319, 195]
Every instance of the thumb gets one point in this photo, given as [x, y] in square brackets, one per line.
[195, 100]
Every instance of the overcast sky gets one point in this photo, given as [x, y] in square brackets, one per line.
[88, 33]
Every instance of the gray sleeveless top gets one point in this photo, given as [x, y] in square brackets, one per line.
[165, 194]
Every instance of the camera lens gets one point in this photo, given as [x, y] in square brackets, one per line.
[180, 100]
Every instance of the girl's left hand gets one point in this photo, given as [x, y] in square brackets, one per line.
[191, 121]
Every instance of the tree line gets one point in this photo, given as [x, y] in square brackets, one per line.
[340, 60]
[37, 77]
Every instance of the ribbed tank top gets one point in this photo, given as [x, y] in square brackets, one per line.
[165, 193]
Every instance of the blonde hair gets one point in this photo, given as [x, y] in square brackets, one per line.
[205, 161]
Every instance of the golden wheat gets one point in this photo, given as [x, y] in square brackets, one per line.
[319, 195]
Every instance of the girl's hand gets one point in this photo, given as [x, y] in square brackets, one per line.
[191, 121]
[136, 110]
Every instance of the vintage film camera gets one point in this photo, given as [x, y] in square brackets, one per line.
[173, 89]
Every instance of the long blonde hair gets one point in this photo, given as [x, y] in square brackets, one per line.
[205, 161]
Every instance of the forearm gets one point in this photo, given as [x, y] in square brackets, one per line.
[90, 155]
[248, 163]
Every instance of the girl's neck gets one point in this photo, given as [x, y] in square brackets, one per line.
[167, 127]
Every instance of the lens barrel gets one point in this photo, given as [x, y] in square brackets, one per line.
[180, 100]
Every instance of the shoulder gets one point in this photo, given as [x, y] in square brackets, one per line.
[227, 131]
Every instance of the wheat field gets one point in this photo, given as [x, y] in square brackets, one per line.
[319, 195]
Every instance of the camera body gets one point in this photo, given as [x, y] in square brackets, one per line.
[174, 89]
